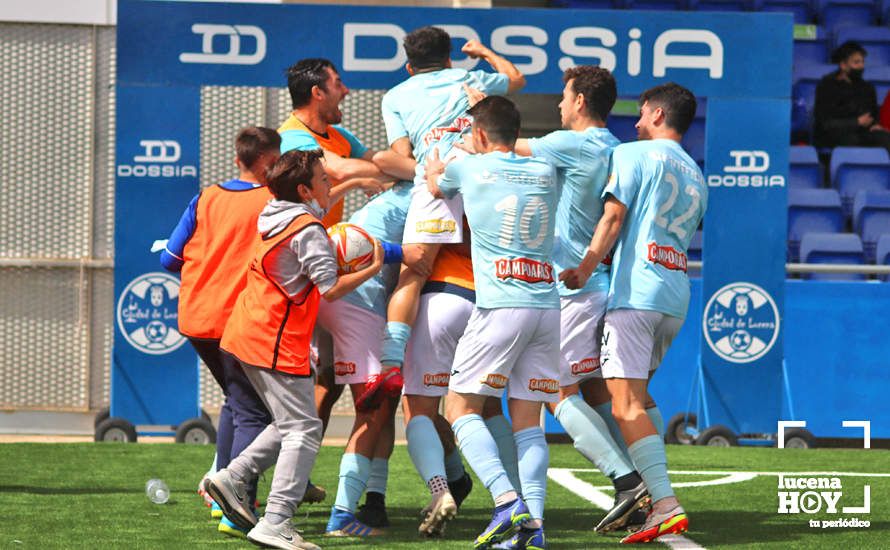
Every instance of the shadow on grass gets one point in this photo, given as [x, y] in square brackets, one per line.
[33, 490]
[740, 528]
[567, 528]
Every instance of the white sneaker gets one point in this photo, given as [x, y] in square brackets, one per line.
[440, 512]
[281, 536]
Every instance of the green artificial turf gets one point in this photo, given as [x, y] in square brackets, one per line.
[92, 496]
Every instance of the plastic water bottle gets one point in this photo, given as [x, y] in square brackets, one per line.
[156, 491]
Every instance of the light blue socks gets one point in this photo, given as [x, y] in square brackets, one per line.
[592, 436]
[657, 420]
[605, 411]
[354, 472]
[534, 457]
[395, 339]
[651, 462]
[502, 432]
[479, 448]
[425, 448]
[379, 474]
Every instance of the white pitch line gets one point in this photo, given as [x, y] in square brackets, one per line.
[566, 478]
[731, 477]
[732, 472]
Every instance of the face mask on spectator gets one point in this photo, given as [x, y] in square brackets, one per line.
[856, 74]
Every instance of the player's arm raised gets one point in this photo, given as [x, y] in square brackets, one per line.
[603, 241]
[476, 49]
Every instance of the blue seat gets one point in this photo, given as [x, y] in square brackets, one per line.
[880, 78]
[884, 11]
[721, 5]
[834, 14]
[813, 50]
[832, 248]
[805, 79]
[589, 4]
[812, 211]
[694, 138]
[882, 254]
[875, 40]
[661, 5]
[855, 169]
[805, 170]
[623, 127]
[871, 218]
[801, 9]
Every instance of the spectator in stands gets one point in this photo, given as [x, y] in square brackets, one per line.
[846, 105]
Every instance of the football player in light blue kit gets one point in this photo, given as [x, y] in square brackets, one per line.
[654, 201]
[581, 154]
[428, 110]
[512, 338]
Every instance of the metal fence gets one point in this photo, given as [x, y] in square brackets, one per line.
[57, 103]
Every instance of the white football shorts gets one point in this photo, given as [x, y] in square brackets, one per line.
[358, 337]
[441, 320]
[581, 331]
[432, 220]
[516, 349]
[635, 341]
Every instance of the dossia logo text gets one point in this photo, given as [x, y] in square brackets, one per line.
[578, 45]
[159, 158]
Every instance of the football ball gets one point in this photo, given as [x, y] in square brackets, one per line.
[353, 247]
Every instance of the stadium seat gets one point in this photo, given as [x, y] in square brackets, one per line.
[884, 12]
[721, 5]
[880, 78]
[832, 248]
[661, 5]
[855, 169]
[694, 139]
[882, 254]
[812, 51]
[805, 170]
[805, 79]
[834, 14]
[875, 40]
[589, 4]
[812, 211]
[801, 9]
[871, 218]
[623, 127]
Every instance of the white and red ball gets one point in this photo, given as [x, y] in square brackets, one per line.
[353, 247]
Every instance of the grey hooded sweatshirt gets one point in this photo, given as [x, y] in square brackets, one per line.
[308, 256]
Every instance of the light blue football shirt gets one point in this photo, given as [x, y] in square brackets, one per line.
[582, 162]
[430, 106]
[383, 217]
[666, 196]
[509, 202]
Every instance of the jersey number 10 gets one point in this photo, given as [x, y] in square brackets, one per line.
[534, 208]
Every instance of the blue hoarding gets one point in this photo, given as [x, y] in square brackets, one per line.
[197, 44]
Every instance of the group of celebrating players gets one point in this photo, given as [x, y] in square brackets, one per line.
[551, 268]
